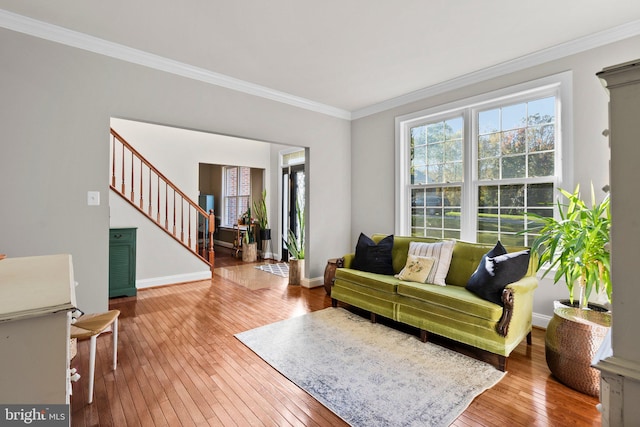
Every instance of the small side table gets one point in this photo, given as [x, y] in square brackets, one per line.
[330, 273]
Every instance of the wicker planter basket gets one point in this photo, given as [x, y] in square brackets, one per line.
[572, 339]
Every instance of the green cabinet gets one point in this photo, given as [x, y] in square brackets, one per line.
[122, 262]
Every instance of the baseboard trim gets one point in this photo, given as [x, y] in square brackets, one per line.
[540, 320]
[313, 283]
[172, 280]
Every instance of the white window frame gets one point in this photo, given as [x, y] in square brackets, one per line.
[231, 221]
[558, 85]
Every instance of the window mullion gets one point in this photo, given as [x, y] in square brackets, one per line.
[468, 208]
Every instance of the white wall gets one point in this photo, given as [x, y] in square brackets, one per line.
[57, 102]
[373, 138]
[160, 260]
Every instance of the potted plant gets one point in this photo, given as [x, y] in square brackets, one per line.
[576, 246]
[249, 252]
[295, 246]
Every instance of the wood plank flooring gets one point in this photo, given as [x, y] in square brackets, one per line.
[180, 365]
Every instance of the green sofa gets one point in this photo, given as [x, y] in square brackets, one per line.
[450, 311]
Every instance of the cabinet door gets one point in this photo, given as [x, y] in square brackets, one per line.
[122, 262]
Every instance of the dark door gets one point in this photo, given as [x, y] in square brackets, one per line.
[293, 181]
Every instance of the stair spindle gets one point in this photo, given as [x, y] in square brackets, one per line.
[182, 218]
[141, 192]
[113, 161]
[132, 180]
[150, 194]
[123, 182]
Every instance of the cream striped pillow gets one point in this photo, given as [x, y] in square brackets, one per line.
[441, 251]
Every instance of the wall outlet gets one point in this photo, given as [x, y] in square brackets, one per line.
[93, 198]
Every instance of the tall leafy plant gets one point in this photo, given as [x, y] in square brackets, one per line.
[577, 244]
[295, 244]
[260, 211]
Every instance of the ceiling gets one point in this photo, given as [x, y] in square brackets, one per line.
[347, 54]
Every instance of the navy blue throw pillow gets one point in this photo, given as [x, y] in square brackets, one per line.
[496, 270]
[372, 257]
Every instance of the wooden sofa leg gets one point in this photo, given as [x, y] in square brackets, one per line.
[502, 363]
[424, 335]
[374, 318]
[334, 302]
[529, 338]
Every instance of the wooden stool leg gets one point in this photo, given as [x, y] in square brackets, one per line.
[115, 343]
[92, 365]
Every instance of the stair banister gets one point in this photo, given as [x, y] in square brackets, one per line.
[193, 212]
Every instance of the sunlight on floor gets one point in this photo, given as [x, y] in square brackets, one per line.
[251, 277]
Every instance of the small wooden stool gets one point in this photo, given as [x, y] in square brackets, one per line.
[90, 326]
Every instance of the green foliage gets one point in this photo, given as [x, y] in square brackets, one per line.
[577, 244]
[260, 210]
[295, 244]
[249, 237]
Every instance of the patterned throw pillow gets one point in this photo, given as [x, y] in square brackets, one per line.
[441, 252]
[417, 268]
[496, 270]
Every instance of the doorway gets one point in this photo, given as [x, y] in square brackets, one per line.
[293, 198]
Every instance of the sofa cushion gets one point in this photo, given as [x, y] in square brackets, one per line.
[441, 251]
[417, 268]
[374, 257]
[454, 298]
[496, 272]
[371, 280]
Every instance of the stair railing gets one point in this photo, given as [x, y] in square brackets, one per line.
[144, 187]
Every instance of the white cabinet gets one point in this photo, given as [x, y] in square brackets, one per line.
[37, 295]
[620, 374]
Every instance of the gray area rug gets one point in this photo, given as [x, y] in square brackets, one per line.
[280, 269]
[369, 374]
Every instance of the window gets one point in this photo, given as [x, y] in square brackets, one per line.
[474, 169]
[436, 177]
[237, 190]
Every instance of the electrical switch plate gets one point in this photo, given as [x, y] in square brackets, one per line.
[93, 198]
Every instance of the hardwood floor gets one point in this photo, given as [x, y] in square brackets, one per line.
[179, 364]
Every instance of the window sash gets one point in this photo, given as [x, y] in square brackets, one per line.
[237, 187]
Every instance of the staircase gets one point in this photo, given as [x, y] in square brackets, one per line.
[145, 188]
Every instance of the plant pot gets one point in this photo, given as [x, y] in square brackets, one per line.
[572, 339]
[296, 271]
[567, 303]
[265, 234]
[249, 252]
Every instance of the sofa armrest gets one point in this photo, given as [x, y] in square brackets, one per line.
[348, 259]
[524, 285]
[519, 293]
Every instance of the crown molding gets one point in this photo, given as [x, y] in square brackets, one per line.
[57, 34]
[557, 52]
[54, 33]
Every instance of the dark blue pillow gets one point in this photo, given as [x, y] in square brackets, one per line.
[372, 257]
[496, 270]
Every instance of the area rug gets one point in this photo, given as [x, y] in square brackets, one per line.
[281, 269]
[370, 374]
